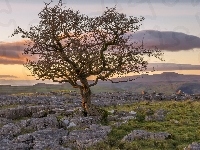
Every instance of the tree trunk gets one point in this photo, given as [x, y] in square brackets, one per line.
[86, 97]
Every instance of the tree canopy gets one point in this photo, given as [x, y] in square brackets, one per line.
[71, 47]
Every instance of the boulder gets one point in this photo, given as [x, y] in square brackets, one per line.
[81, 139]
[193, 146]
[40, 114]
[159, 115]
[10, 129]
[4, 121]
[144, 135]
[10, 145]
[40, 123]
[43, 139]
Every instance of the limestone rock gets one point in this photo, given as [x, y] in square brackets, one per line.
[10, 129]
[193, 146]
[4, 121]
[43, 139]
[159, 115]
[83, 138]
[40, 123]
[143, 135]
[6, 144]
[71, 124]
[40, 114]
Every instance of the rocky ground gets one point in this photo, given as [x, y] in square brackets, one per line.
[54, 121]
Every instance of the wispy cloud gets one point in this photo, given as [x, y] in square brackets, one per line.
[171, 66]
[6, 61]
[8, 76]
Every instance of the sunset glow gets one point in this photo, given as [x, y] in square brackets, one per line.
[167, 25]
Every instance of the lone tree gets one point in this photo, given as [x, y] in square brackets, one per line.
[71, 47]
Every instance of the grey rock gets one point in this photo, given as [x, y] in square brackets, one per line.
[193, 146]
[10, 129]
[43, 139]
[4, 121]
[21, 111]
[59, 110]
[6, 144]
[25, 138]
[160, 135]
[40, 114]
[15, 113]
[69, 112]
[46, 122]
[111, 111]
[143, 135]
[128, 118]
[48, 138]
[113, 117]
[136, 135]
[121, 113]
[38, 108]
[71, 124]
[132, 112]
[157, 116]
[66, 122]
[85, 121]
[40, 123]
[81, 139]
[118, 124]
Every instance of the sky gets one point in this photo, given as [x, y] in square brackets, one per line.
[171, 25]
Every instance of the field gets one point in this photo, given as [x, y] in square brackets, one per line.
[182, 122]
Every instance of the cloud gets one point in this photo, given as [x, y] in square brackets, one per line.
[11, 53]
[6, 61]
[166, 40]
[8, 76]
[171, 66]
[14, 82]
[11, 50]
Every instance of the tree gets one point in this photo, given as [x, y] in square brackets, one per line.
[71, 47]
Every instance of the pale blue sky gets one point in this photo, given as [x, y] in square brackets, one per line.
[183, 16]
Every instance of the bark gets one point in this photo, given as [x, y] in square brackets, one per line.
[86, 96]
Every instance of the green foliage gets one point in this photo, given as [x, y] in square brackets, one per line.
[59, 117]
[182, 122]
[102, 113]
[25, 131]
[140, 117]
[104, 117]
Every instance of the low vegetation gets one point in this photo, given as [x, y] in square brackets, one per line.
[181, 121]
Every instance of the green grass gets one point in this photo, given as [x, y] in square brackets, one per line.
[182, 122]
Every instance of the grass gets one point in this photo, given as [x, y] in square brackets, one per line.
[182, 122]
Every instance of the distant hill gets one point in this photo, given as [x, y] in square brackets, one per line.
[190, 88]
[167, 82]
[165, 76]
